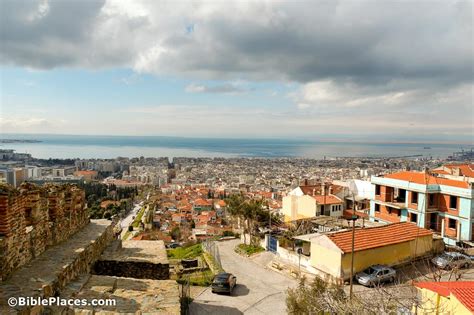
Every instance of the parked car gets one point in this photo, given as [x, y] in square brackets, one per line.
[376, 275]
[173, 245]
[224, 282]
[450, 260]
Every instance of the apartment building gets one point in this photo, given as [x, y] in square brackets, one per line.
[443, 205]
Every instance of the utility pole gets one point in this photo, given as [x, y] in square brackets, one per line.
[353, 219]
[269, 218]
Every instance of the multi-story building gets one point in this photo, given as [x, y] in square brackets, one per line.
[443, 205]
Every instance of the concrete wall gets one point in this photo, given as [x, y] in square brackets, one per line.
[326, 257]
[306, 206]
[391, 255]
[297, 207]
[434, 303]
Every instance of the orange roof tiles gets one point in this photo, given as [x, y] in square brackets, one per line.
[466, 169]
[426, 179]
[201, 202]
[327, 200]
[379, 236]
[462, 290]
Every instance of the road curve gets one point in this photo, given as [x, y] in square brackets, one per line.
[258, 291]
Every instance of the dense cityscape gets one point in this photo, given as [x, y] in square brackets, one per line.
[236, 157]
[271, 211]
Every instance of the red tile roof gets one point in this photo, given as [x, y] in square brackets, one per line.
[327, 200]
[379, 236]
[462, 290]
[426, 179]
[466, 169]
[202, 202]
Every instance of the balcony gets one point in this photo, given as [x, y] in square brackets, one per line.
[393, 204]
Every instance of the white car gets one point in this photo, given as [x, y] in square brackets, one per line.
[450, 260]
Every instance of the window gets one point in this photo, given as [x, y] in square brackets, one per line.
[452, 224]
[377, 208]
[393, 211]
[413, 217]
[431, 200]
[453, 202]
[377, 190]
[414, 197]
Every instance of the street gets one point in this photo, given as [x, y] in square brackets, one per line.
[258, 290]
[129, 218]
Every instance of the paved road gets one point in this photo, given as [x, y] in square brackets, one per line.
[258, 290]
[129, 218]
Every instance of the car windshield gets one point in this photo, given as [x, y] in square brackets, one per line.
[221, 278]
[370, 271]
[446, 257]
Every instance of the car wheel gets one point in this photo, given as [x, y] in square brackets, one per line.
[392, 279]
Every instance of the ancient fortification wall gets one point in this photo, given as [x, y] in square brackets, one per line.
[34, 217]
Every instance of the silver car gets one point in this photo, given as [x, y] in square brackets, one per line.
[376, 275]
[450, 260]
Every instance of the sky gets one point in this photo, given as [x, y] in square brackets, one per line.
[250, 69]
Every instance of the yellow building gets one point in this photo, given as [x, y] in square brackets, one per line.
[390, 244]
[456, 297]
[311, 201]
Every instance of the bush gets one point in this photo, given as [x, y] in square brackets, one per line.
[230, 233]
[248, 249]
[185, 252]
[201, 278]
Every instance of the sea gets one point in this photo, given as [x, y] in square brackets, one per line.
[76, 146]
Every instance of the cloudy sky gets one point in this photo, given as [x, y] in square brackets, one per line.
[316, 69]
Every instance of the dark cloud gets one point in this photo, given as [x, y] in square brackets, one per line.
[300, 41]
[377, 60]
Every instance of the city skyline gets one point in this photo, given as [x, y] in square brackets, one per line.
[344, 70]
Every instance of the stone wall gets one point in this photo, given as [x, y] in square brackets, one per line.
[34, 217]
[48, 275]
[132, 269]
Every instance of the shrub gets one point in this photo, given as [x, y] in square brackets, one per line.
[185, 252]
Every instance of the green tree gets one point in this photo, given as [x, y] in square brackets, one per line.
[175, 233]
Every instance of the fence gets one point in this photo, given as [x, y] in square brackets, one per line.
[185, 296]
[211, 248]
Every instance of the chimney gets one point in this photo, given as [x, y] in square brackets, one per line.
[330, 189]
[314, 191]
[323, 189]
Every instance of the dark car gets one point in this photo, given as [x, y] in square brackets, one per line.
[223, 282]
[173, 245]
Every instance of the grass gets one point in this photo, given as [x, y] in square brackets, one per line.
[126, 235]
[138, 218]
[213, 265]
[189, 252]
[249, 249]
[201, 278]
